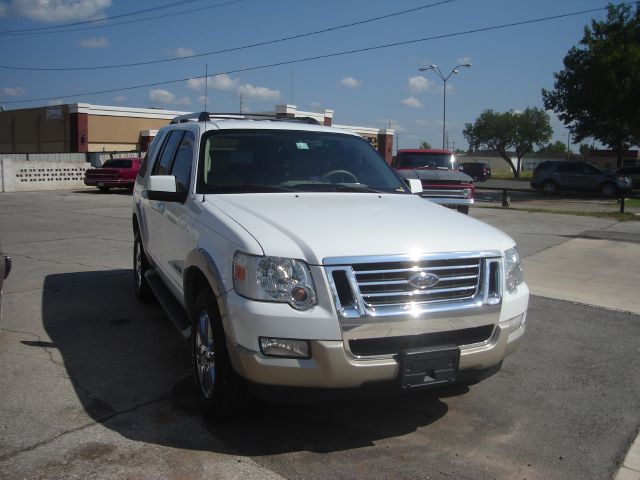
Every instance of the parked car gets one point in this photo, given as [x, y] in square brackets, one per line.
[479, 171]
[551, 176]
[114, 173]
[631, 171]
[5, 268]
[293, 257]
[442, 182]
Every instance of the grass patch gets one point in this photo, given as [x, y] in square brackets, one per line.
[632, 202]
[502, 175]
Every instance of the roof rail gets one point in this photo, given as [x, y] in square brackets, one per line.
[206, 116]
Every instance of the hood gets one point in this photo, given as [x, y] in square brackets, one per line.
[315, 226]
[435, 175]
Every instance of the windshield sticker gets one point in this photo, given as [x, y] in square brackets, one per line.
[302, 146]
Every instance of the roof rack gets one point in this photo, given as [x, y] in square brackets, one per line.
[207, 116]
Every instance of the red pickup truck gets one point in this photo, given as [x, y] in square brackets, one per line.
[442, 182]
[114, 173]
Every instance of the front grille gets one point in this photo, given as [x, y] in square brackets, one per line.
[392, 345]
[390, 283]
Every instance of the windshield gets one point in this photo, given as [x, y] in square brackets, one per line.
[288, 160]
[427, 160]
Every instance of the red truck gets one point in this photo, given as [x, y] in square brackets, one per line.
[438, 172]
[114, 173]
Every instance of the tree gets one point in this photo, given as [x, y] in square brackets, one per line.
[514, 131]
[585, 149]
[597, 93]
[557, 147]
[425, 145]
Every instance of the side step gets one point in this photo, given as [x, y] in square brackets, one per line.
[168, 302]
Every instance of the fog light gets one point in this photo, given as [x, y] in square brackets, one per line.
[466, 193]
[285, 347]
[513, 323]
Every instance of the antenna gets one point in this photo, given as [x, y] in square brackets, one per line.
[206, 85]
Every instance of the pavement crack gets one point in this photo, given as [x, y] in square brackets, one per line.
[101, 420]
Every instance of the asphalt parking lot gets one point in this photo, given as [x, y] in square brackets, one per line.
[96, 385]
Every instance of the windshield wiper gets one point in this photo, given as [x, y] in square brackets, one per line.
[343, 187]
[247, 188]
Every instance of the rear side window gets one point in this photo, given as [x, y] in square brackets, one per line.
[542, 167]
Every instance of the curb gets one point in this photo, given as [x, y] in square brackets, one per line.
[630, 469]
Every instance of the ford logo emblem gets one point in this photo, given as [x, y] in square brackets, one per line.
[423, 280]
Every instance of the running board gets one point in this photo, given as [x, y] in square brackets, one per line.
[169, 304]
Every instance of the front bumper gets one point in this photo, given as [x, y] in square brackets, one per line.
[450, 202]
[111, 183]
[332, 367]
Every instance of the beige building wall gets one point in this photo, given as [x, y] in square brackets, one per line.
[118, 133]
[35, 130]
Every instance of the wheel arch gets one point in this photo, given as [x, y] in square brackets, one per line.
[200, 273]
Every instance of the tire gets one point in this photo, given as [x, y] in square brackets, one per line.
[104, 189]
[463, 209]
[608, 189]
[549, 187]
[219, 388]
[140, 267]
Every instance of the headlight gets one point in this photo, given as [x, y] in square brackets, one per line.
[513, 269]
[274, 279]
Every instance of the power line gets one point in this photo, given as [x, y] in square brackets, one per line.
[58, 28]
[318, 57]
[232, 49]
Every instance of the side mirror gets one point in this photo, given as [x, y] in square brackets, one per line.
[415, 185]
[163, 188]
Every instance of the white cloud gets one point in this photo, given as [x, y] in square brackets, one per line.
[221, 83]
[166, 97]
[120, 98]
[14, 91]
[350, 82]
[260, 93]
[412, 102]
[464, 60]
[315, 104]
[94, 42]
[3, 10]
[419, 84]
[181, 52]
[52, 11]
[56, 102]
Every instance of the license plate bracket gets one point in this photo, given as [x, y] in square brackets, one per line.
[429, 366]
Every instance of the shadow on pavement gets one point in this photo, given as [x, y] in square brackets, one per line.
[131, 371]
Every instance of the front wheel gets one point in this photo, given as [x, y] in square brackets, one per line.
[219, 387]
[608, 189]
[463, 209]
[104, 189]
[549, 187]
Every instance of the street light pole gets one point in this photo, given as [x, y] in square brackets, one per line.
[444, 79]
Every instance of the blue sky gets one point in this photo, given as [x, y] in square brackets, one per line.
[372, 88]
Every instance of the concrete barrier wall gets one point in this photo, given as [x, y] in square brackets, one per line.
[50, 171]
[26, 176]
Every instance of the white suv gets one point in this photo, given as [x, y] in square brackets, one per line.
[291, 255]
